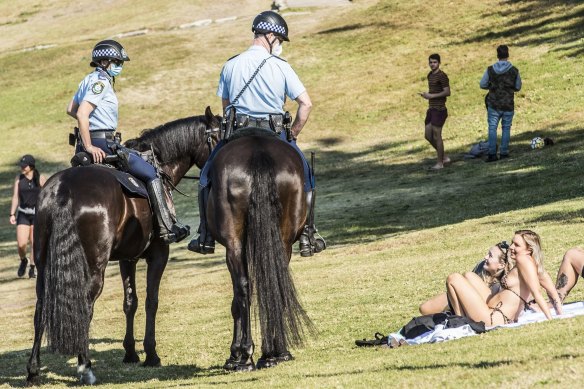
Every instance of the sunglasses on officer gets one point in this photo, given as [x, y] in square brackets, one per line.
[280, 39]
[118, 62]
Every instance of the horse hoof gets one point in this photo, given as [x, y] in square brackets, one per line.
[245, 367]
[234, 365]
[131, 358]
[230, 365]
[33, 380]
[152, 362]
[284, 357]
[264, 363]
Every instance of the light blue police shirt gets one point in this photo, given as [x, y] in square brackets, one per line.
[267, 92]
[97, 89]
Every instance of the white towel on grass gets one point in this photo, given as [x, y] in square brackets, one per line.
[441, 334]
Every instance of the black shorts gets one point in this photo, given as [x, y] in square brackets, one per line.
[25, 219]
[437, 117]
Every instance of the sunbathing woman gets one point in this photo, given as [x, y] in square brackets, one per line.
[470, 297]
[493, 266]
[571, 268]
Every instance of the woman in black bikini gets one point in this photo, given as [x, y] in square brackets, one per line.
[470, 297]
[27, 186]
[493, 266]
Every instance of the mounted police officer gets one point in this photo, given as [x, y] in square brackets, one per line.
[95, 106]
[253, 87]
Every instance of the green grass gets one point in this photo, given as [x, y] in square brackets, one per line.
[395, 230]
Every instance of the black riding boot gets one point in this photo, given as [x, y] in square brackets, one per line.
[204, 243]
[171, 230]
[310, 240]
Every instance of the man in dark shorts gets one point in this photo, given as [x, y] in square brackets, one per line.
[438, 90]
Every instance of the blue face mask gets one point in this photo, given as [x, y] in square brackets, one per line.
[277, 51]
[114, 70]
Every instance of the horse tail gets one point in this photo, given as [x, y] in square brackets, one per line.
[280, 314]
[66, 306]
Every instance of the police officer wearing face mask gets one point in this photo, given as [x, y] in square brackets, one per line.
[256, 83]
[95, 106]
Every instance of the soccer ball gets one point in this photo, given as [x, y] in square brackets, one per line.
[537, 143]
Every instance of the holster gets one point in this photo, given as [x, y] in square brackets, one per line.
[74, 136]
[228, 123]
[122, 154]
[287, 123]
[276, 123]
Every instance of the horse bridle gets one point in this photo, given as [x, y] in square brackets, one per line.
[208, 132]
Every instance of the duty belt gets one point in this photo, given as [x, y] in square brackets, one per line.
[102, 134]
[272, 122]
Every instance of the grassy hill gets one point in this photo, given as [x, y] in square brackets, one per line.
[395, 229]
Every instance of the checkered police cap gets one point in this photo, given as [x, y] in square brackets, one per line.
[270, 21]
[107, 52]
[271, 27]
[108, 49]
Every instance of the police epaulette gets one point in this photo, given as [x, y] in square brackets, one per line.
[102, 75]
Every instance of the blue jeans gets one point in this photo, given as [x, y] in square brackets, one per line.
[309, 182]
[136, 165]
[493, 118]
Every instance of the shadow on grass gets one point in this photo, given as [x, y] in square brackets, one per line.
[361, 197]
[107, 366]
[536, 22]
[466, 365]
[367, 194]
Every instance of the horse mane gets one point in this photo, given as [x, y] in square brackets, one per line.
[172, 140]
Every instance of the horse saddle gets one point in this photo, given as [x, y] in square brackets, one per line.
[129, 183]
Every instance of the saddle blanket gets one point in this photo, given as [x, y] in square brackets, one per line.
[442, 334]
[129, 183]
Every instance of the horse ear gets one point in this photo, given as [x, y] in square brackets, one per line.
[208, 114]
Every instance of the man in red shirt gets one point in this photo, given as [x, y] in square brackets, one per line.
[438, 90]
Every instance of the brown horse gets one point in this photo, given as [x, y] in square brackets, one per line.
[84, 219]
[257, 209]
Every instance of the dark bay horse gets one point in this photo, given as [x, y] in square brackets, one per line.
[257, 209]
[84, 219]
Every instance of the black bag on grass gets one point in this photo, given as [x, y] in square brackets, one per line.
[421, 324]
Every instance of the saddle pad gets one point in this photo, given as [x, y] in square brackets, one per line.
[129, 183]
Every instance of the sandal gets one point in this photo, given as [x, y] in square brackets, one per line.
[394, 343]
[379, 340]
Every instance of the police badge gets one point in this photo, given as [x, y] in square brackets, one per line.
[97, 87]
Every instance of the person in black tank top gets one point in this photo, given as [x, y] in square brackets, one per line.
[27, 186]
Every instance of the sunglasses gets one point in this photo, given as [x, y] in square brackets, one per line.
[117, 62]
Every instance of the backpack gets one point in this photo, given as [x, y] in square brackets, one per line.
[421, 324]
[501, 89]
[478, 150]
